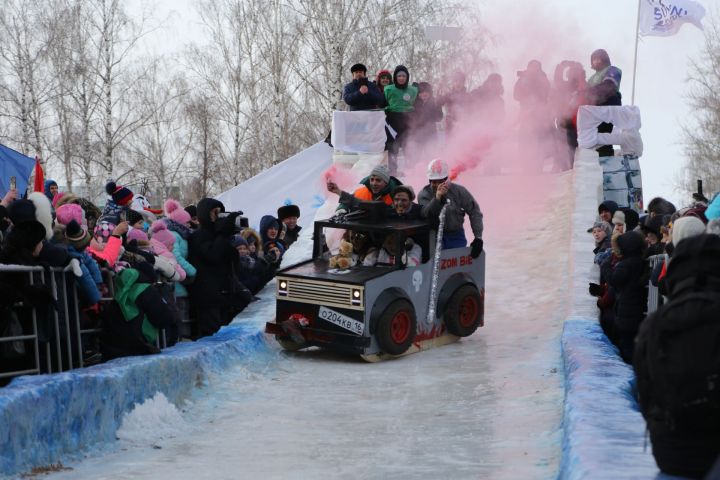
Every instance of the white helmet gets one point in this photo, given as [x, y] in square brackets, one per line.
[437, 169]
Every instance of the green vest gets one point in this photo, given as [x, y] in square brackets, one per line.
[400, 99]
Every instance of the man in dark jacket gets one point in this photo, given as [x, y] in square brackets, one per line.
[604, 90]
[215, 295]
[629, 281]
[361, 93]
[288, 215]
[426, 116]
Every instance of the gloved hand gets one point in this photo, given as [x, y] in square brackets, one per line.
[476, 247]
[226, 224]
[75, 265]
[595, 290]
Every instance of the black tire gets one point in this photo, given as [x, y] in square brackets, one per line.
[289, 345]
[464, 311]
[396, 327]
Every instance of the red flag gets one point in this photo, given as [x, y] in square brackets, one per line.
[39, 177]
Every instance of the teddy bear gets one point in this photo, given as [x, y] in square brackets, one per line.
[343, 259]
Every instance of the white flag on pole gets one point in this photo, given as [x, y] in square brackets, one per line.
[663, 18]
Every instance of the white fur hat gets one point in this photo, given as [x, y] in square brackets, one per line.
[43, 212]
[686, 227]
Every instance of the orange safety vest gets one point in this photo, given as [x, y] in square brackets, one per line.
[365, 194]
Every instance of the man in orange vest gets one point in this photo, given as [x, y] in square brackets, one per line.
[377, 186]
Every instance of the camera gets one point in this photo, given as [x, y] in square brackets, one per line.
[240, 221]
[363, 81]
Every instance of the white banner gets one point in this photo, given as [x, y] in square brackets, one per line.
[663, 18]
[359, 131]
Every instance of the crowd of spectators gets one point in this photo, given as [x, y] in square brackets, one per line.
[137, 270]
[672, 341]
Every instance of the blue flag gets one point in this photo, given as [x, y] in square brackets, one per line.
[14, 164]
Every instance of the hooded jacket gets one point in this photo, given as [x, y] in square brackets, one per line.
[49, 183]
[629, 281]
[400, 98]
[211, 252]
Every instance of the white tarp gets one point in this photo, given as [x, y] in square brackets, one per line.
[359, 132]
[297, 180]
[626, 125]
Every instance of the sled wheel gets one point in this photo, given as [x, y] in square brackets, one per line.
[463, 312]
[396, 327]
[289, 344]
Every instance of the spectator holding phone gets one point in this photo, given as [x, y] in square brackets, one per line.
[361, 93]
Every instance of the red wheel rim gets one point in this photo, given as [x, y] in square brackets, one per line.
[468, 311]
[400, 327]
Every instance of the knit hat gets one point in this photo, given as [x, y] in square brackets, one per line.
[192, 210]
[608, 205]
[133, 216]
[120, 195]
[358, 67]
[26, 235]
[176, 213]
[631, 218]
[69, 212]
[382, 172]
[159, 232]
[104, 228]
[238, 240]
[77, 235]
[404, 188]
[618, 218]
[603, 225]
[288, 211]
[138, 235]
[22, 210]
[686, 227]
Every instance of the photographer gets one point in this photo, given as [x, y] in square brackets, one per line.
[213, 298]
[361, 93]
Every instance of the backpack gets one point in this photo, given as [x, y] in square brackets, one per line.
[677, 362]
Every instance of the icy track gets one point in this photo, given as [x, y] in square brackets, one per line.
[489, 406]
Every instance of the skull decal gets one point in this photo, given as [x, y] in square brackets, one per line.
[417, 280]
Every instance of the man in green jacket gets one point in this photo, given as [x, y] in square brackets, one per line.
[400, 98]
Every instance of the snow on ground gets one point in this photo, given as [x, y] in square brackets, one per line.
[489, 406]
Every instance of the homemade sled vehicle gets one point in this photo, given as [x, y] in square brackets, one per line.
[385, 310]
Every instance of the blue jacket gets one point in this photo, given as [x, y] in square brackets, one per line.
[357, 101]
[180, 250]
[90, 279]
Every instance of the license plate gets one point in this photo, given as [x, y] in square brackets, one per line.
[341, 320]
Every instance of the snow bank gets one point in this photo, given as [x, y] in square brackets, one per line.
[46, 419]
[603, 431]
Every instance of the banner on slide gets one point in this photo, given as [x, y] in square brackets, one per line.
[622, 181]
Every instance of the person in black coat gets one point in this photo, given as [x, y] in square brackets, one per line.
[427, 114]
[629, 281]
[361, 93]
[288, 215]
[214, 298]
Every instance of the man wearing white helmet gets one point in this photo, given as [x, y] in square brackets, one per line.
[437, 193]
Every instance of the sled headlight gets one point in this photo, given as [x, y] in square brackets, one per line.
[283, 287]
[356, 296]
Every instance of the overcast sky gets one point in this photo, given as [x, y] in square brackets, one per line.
[554, 30]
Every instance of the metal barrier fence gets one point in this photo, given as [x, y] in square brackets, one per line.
[63, 348]
[654, 297]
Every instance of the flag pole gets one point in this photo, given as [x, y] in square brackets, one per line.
[637, 39]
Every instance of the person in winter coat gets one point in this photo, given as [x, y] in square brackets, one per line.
[51, 189]
[404, 206]
[37, 208]
[119, 201]
[254, 242]
[132, 320]
[273, 245]
[106, 244]
[440, 192]
[377, 186]
[427, 114]
[488, 102]
[601, 232]
[383, 78]
[606, 210]
[629, 281]
[603, 90]
[92, 212]
[455, 100]
[568, 94]
[78, 239]
[531, 91]
[178, 221]
[163, 243]
[361, 93]
[213, 296]
[252, 272]
[400, 100]
[676, 363]
[288, 215]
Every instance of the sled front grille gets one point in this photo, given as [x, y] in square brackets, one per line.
[320, 293]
